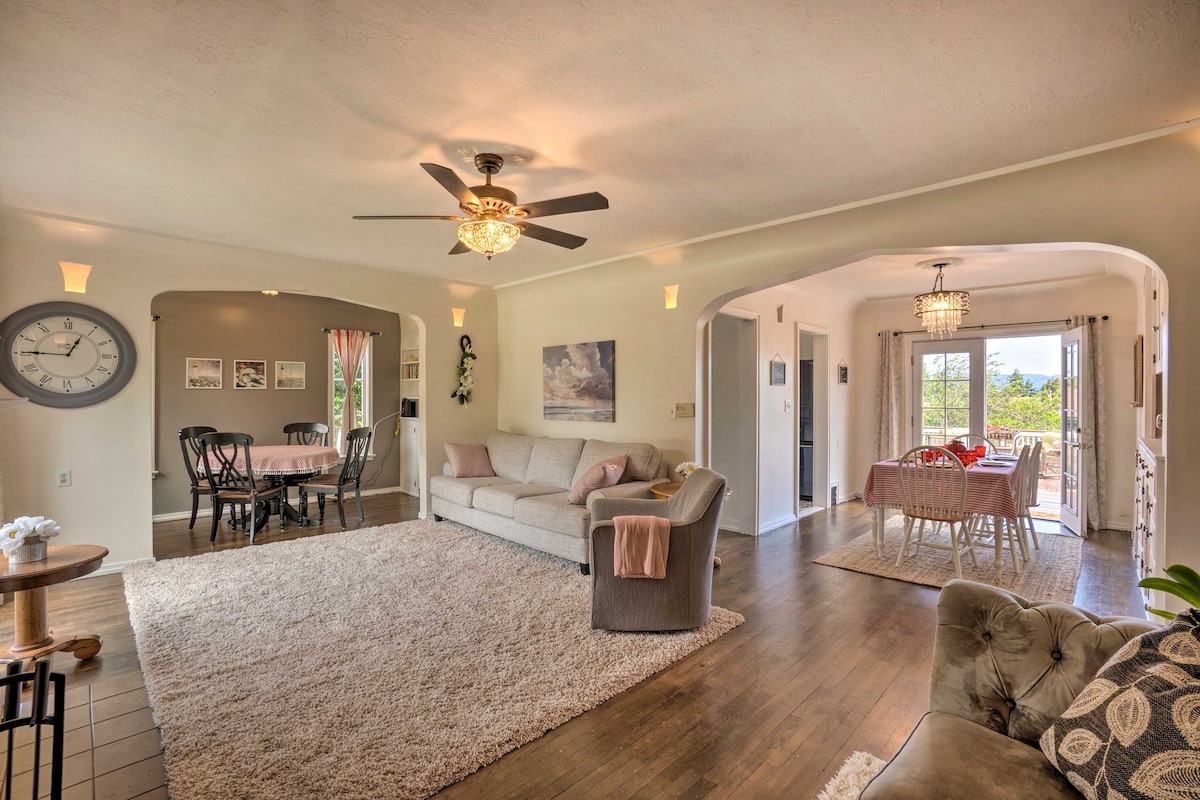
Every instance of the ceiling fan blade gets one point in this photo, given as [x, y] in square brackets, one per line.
[458, 249]
[453, 184]
[568, 240]
[592, 201]
[407, 216]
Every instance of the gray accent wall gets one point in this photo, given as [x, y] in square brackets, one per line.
[250, 325]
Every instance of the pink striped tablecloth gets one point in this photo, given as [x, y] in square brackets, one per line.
[286, 459]
[989, 489]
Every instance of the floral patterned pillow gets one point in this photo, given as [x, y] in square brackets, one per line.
[1133, 733]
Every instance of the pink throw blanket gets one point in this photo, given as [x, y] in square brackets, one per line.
[640, 546]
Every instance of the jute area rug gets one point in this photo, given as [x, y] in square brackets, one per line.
[1049, 574]
[387, 662]
[856, 772]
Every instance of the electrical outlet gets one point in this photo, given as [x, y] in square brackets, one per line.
[64, 478]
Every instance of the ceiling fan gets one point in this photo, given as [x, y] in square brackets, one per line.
[486, 228]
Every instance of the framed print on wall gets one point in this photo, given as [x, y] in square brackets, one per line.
[289, 374]
[249, 374]
[779, 373]
[578, 381]
[202, 373]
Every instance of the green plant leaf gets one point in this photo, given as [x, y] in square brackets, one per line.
[1171, 587]
[1186, 576]
[1161, 613]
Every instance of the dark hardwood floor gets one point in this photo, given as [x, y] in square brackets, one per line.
[828, 662]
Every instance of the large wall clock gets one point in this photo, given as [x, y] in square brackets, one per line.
[65, 355]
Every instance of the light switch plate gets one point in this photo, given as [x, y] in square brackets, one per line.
[685, 409]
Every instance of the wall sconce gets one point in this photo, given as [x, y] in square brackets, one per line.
[75, 276]
[271, 292]
[460, 314]
[671, 295]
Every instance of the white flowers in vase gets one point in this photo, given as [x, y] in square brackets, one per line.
[14, 534]
[687, 468]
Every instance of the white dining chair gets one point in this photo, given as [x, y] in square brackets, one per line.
[1027, 497]
[933, 488]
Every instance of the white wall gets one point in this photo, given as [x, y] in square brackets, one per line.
[108, 446]
[734, 399]
[1141, 197]
[810, 304]
[1113, 295]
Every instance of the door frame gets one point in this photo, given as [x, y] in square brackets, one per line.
[821, 401]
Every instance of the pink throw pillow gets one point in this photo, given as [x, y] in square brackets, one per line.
[606, 473]
[469, 460]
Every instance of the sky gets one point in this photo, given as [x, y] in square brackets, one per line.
[1033, 355]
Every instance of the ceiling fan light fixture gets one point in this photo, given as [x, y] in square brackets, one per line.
[941, 311]
[489, 236]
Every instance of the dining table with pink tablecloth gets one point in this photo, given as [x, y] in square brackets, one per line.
[990, 490]
[285, 459]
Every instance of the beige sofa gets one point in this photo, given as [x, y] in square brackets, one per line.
[1004, 669]
[526, 500]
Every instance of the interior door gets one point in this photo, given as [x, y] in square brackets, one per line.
[948, 390]
[1075, 431]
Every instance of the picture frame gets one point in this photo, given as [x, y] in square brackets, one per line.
[1139, 372]
[202, 373]
[843, 373]
[249, 374]
[289, 375]
[779, 373]
[579, 382]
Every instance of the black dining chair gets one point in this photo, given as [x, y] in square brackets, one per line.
[230, 473]
[358, 442]
[189, 443]
[309, 433]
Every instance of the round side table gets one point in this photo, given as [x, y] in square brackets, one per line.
[30, 583]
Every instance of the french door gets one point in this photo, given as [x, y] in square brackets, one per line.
[1075, 425]
[948, 390]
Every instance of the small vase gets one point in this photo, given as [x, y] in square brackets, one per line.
[33, 549]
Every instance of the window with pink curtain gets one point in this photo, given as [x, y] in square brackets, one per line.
[350, 349]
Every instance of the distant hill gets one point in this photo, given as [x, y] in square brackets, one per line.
[1037, 380]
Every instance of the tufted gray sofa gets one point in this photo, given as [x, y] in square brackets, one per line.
[1004, 668]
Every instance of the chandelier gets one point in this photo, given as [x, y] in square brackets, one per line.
[941, 312]
[489, 235]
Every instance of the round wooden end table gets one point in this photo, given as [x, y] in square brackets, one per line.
[30, 582]
[666, 490]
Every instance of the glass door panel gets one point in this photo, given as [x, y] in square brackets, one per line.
[948, 390]
[1074, 488]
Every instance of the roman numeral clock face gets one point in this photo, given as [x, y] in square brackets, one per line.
[65, 355]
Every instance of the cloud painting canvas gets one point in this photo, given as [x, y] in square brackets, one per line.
[578, 381]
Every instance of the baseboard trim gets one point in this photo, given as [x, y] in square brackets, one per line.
[171, 516]
[767, 527]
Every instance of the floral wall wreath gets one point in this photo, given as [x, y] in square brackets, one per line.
[465, 382]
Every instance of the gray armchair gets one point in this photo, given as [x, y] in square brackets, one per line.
[681, 600]
[1004, 668]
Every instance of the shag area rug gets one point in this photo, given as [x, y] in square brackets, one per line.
[386, 662]
[1049, 574]
[856, 772]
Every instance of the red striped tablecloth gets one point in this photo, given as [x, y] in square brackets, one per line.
[286, 459]
[989, 489]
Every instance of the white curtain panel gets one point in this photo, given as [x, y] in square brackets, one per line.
[1095, 450]
[350, 347]
[888, 397]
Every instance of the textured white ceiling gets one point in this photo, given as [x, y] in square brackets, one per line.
[268, 124]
